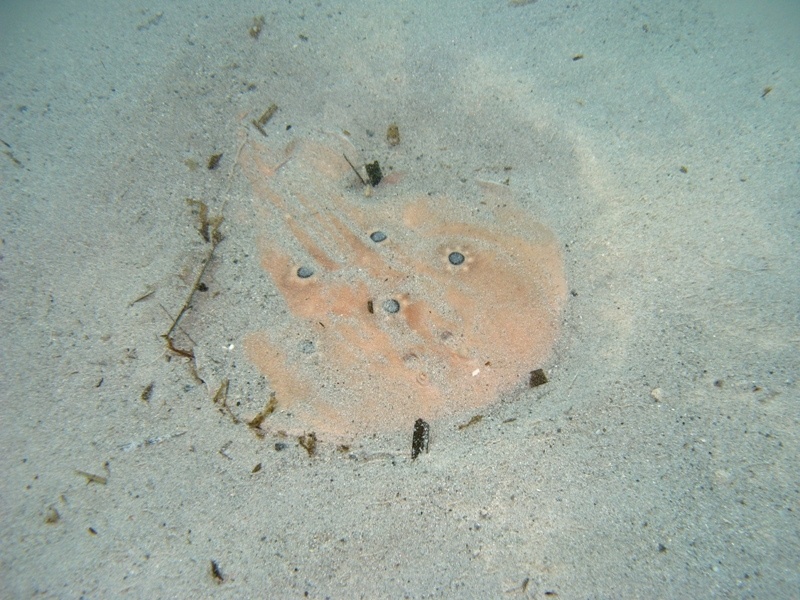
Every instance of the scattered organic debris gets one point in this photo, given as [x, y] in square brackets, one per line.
[374, 173]
[577, 57]
[179, 351]
[521, 588]
[309, 442]
[393, 134]
[208, 228]
[221, 399]
[213, 161]
[216, 572]
[147, 392]
[257, 468]
[92, 478]
[51, 516]
[766, 91]
[13, 158]
[224, 450]
[420, 438]
[352, 166]
[264, 118]
[538, 378]
[257, 26]
[272, 404]
[471, 422]
[144, 296]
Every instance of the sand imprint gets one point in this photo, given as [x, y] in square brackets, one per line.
[397, 308]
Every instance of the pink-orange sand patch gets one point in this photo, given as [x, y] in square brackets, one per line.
[338, 362]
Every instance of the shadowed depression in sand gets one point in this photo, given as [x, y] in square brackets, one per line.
[396, 308]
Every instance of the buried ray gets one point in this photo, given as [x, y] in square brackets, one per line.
[397, 308]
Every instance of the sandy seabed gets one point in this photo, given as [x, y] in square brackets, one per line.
[657, 141]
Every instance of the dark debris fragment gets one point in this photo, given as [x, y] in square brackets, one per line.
[216, 572]
[256, 27]
[374, 173]
[213, 161]
[309, 442]
[471, 422]
[538, 378]
[420, 438]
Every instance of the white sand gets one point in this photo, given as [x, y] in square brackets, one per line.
[661, 460]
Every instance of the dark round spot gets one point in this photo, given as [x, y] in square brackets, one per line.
[377, 236]
[305, 272]
[391, 306]
[456, 258]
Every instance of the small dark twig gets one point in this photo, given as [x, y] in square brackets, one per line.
[354, 169]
